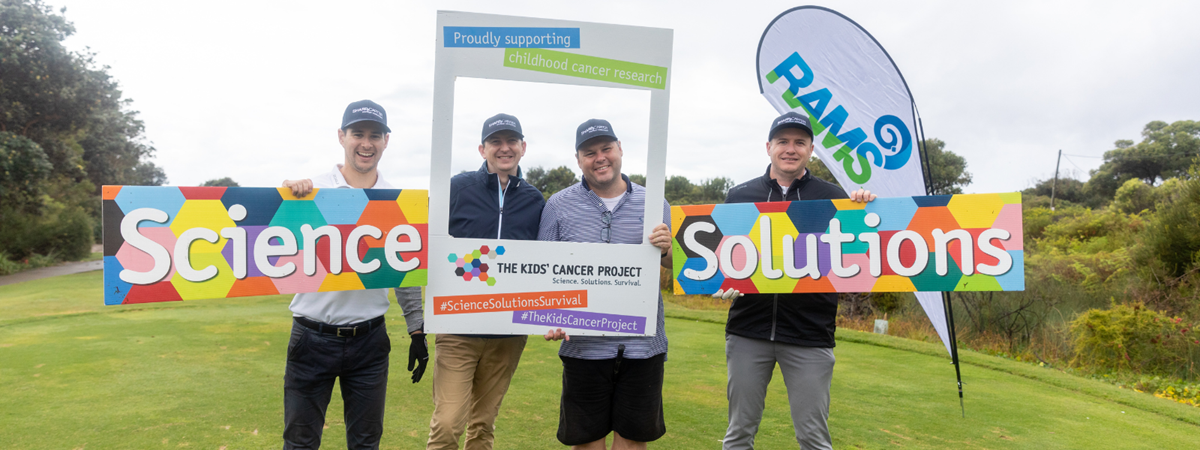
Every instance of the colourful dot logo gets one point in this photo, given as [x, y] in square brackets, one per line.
[470, 266]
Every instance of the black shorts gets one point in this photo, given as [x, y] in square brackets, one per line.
[600, 396]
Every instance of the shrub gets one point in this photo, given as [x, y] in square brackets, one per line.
[1130, 338]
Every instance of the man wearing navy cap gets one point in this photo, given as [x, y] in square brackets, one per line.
[471, 373]
[792, 330]
[341, 335]
[610, 384]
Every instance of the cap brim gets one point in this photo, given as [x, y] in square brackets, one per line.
[352, 122]
[789, 125]
[607, 136]
[519, 134]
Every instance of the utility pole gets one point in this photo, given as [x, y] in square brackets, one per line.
[1054, 186]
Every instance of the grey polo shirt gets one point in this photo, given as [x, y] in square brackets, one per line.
[575, 214]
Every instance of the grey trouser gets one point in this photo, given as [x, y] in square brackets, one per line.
[807, 372]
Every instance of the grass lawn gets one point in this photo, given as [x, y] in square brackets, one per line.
[209, 374]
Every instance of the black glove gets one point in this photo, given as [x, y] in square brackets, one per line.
[418, 356]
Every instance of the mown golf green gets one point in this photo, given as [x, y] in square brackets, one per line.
[209, 374]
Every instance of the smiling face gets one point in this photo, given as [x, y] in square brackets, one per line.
[790, 150]
[600, 161]
[364, 143]
[503, 151]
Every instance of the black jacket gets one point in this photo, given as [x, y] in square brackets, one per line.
[475, 210]
[803, 319]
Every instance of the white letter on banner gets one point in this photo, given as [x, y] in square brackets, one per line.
[764, 239]
[811, 263]
[310, 248]
[893, 253]
[835, 238]
[183, 260]
[263, 250]
[941, 241]
[162, 258]
[710, 258]
[237, 240]
[985, 244]
[352, 257]
[394, 246]
[727, 257]
[872, 240]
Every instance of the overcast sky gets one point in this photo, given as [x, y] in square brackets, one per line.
[254, 90]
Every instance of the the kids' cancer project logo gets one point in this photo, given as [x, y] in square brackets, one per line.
[471, 265]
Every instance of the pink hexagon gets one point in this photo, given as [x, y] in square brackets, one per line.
[133, 259]
[860, 282]
[297, 281]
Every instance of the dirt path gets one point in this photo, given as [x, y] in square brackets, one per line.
[46, 272]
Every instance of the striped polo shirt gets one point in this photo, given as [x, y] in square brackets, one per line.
[575, 214]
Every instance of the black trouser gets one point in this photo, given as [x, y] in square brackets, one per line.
[314, 360]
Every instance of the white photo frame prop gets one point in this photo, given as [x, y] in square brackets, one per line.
[528, 287]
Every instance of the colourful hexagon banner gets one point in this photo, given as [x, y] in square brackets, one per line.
[969, 242]
[167, 243]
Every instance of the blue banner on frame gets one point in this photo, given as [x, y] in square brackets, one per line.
[510, 37]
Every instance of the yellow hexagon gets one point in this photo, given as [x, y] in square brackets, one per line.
[844, 204]
[414, 203]
[893, 283]
[215, 287]
[1011, 198]
[677, 216]
[781, 226]
[345, 281]
[209, 214]
[975, 210]
[286, 194]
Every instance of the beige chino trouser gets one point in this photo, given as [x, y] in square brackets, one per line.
[470, 377]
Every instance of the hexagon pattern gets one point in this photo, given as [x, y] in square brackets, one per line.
[209, 207]
[470, 266]
[883, 218]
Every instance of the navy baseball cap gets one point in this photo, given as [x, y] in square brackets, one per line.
[365, 110]
[593, 128]
[790, 119]
[501, 122]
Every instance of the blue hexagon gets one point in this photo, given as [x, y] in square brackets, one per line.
[165, 199]
[933, 200]
[735, 219]
[115, 289]
[811, 216]
[453, 257]
[341, 206]
[260, 204]
[1014, 279]
[691, 286]
[500, 250]
[894, 213]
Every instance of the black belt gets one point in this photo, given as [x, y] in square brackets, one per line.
[349, 330]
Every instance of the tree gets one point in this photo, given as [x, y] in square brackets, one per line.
[64, 103]
[1166, 151]
[1067, 190]
[226, 182]
[947, 170]
[73, 112]
[550, 182]
[818, 169]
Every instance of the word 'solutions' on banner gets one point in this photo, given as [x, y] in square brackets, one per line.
[901, 244]
[507, 286]
[166, 243]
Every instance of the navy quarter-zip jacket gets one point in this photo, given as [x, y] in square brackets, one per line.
[475, 210]
[808, 320]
